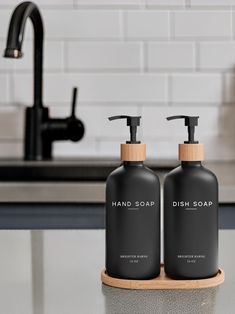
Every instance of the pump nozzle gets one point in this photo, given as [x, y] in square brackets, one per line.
[132, 122]
[190, 122]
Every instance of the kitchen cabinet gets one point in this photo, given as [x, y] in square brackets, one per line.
[74, 216]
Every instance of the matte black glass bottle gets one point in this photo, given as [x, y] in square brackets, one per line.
[132, 214]
[190, 213]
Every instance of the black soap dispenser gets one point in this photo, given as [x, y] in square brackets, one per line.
[132, 213]
[190, 213]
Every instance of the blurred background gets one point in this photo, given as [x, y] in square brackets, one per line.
[143, 57]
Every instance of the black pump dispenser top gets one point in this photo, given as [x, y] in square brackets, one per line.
[191, 122]
[132, 122]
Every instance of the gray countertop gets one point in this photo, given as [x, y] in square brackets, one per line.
[58, 272]
[94, 191]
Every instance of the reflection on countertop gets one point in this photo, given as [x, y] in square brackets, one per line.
[58, 272]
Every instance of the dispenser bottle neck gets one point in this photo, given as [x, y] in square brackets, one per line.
[190, 164]
[133, 164]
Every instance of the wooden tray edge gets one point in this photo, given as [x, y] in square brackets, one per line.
[162, 282]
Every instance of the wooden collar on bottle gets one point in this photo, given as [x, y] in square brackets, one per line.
[191, 152]
[133, 152]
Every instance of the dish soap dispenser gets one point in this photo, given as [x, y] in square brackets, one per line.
[132, 213]
[190, 213]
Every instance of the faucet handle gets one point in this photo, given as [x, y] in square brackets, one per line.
[74, 102]
[75, 127]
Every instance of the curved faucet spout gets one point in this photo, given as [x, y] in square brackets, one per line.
[15, 39]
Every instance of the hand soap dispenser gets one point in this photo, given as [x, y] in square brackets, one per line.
[190, 213]
[132, 213]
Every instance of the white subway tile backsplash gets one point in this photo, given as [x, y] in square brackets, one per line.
[202, 24]
[170, 55]
[11, 123]
[147, 24]
[4, 88]
[5, 63]
[95, 87]
[162, 149]
[109, 3]
[196, 88]
[140, 57]
[229, 88]
[104, 56]
[220, 148]
[4, 21]
[22, 89]
[39, 2]
[11, 149]
[83, 148]
[165, 3]
[55, 2]
[110, 149]
[217, 55]
[212, 3]
[227, 116]
[81, 24]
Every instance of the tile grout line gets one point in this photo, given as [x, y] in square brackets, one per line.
[169, 88]
[122, 25]
[171, 22]
[144, 50]
[65, 56]
[232, 25]
[197, 59]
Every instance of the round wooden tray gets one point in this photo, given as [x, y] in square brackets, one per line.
[163, 282]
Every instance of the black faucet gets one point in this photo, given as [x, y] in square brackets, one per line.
[40, 129]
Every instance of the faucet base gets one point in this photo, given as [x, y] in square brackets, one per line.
[34, 146]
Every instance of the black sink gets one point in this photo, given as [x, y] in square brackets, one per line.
[67, 170]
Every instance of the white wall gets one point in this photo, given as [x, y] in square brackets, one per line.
[150, 57]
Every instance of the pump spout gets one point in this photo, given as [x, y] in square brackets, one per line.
[132, 150]
[133, 122]
[191, 122]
